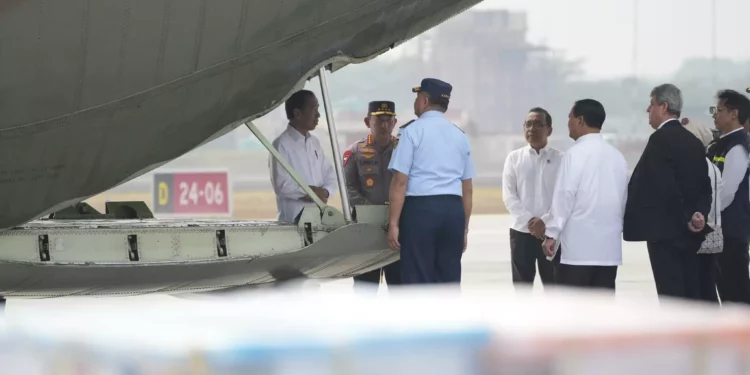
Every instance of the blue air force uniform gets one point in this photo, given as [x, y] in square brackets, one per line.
[435, 155]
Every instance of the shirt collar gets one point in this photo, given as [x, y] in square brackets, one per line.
[295, 134]
[542, 151]
[432, 113]
[587, 137]
[371, 142]
[733, 131]
[668, 120]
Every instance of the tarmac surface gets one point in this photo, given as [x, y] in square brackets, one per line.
[485, 263]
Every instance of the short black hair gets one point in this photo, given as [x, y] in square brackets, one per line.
[440, 102]
[734, 100]
[296, 101]
[542, 111]
[592, 112]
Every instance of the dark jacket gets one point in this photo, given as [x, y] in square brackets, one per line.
[735, 219]
[669, 184]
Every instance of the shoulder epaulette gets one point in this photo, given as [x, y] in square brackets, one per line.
[405, 125]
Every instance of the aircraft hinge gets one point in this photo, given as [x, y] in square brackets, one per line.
[44, 247]
[221, 243]
[308, 234]
[133, 248]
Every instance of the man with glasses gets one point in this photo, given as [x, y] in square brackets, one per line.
[528, 183]
[367, 177]
[730, 154]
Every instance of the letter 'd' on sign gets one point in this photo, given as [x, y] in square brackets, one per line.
[163, 193]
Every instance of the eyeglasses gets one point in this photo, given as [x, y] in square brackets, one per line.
[533, 124]
[715, 110]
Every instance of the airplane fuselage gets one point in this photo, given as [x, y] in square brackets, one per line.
[94, 93]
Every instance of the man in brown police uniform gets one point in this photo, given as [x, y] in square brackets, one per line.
[367, 177]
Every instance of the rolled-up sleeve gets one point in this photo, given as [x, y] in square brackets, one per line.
[330, 181]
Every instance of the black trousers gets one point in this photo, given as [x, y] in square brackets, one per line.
[431, 233]
[525, 254]
[392, 275]
[707, 267]
[733, 278]
[598, 277]
[675, 265]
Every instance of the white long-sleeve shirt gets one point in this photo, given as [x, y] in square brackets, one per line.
[528, 183]
[735, 165]
[588, 204]
[305, 154]
[714, 215]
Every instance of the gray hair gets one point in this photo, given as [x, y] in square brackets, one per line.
[670, 94]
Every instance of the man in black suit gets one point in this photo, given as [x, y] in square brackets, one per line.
[669, 195]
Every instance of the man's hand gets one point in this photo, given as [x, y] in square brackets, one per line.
[548, 247]
[697, 222]
[393, 237]
[536, 227]
[321, 193]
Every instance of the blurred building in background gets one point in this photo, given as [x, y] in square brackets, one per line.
[497, 76]
[493, 78]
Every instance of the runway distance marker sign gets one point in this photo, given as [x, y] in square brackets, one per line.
[192, 193]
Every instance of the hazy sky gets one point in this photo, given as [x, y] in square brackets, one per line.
[601, 31]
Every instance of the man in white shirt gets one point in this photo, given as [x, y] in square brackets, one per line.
[588, 204]
[529, 178]
[303, 152]
[730, 155]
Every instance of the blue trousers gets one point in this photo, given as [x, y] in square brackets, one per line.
[431, 233]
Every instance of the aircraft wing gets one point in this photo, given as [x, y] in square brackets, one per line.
[96, 92]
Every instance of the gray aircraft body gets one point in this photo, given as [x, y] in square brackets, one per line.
[96, 92]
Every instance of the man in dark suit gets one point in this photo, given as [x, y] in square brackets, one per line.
[669, 195]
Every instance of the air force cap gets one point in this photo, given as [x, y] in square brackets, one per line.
[380, 107]
[435, 87]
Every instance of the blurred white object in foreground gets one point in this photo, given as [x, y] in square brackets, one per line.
[436, 331]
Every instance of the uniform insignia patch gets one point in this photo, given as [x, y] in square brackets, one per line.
[347, 155]
[370, 182]
[395, 143]
[368, 170]
[367, 156]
